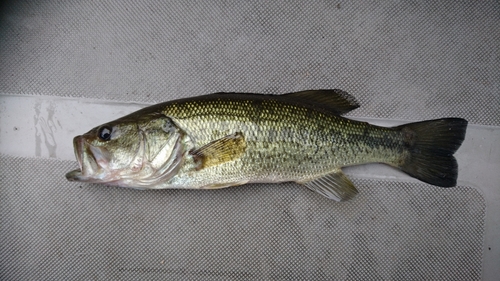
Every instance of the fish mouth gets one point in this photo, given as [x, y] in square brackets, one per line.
[86, 161]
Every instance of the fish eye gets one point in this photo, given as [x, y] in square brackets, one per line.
[104, 133]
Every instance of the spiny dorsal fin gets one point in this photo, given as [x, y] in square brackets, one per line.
[219, 151]
[335, 100]
[335, 186]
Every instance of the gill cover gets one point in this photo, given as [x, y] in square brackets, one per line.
[162, 153]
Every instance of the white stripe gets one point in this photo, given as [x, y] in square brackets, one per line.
[44, 126]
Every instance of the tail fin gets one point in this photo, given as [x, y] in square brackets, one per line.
[431, 145]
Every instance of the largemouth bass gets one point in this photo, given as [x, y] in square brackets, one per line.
[229, 139]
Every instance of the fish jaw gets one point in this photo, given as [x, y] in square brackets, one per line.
[96, 164]
[91, 161]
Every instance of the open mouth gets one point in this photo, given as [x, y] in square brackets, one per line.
[85, 160]
[78, 145]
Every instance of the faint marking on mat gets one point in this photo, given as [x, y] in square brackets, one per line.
[45, 128]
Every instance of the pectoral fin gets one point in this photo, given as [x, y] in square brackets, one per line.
[220, 151]
[335, 186]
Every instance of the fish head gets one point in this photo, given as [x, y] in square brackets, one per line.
[134, 151]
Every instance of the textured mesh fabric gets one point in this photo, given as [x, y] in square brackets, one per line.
[275, 232]
[401, 60]
[427, 56]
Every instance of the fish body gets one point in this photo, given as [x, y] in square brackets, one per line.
[228, 139]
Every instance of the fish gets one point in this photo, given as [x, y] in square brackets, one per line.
[229, 139]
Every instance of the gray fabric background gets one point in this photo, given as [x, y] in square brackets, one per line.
[445, 53]
[408, 60]
[390, 231]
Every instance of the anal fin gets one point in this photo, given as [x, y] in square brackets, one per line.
[219, 151]
[335, 186]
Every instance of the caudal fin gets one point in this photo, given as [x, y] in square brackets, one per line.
[431, 145]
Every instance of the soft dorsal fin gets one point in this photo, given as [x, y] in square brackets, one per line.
[335, 100]
[335, 186]
[219, 151]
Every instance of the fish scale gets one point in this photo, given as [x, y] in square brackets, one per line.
[228, 139]
[285, 141]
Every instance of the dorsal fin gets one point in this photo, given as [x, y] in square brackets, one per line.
[337, 101]
[334, 101]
